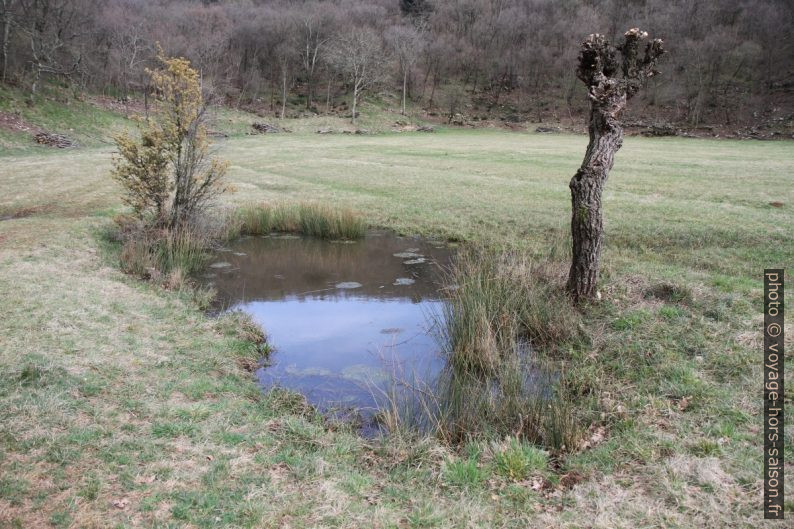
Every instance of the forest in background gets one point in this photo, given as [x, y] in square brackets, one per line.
[730, 63]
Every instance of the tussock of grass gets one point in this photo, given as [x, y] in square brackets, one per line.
[173, 256]
[314, 220]
[522, 398]
[136, 257]
[162, 254]
[501, 328]
[464, 474]
[501, 302]
[285, 402]
[517, 460]
[184, 250]
[241, 325]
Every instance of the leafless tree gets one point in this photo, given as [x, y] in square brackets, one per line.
[610, 83]
[314, 29]
[50, 27]
[285, 57]
[8, 16]
[133, 52]
[282, 41]
[406, 43]
[360, 57]
[440, 57]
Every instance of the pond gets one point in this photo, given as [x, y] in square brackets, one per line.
[344, 318]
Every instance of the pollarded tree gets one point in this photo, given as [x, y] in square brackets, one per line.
[168, 174]
[610, 82]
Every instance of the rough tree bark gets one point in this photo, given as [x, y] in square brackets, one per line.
[610, 82]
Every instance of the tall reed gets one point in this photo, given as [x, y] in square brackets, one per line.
[306, 218]
[160, 252]
[499, 299]
[503, 323]
[184, 249]
[149, 251]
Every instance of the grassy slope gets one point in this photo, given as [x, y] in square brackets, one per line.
[91, 123]
[114, 391]
[54, 111]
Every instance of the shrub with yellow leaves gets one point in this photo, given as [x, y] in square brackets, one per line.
[168, 174]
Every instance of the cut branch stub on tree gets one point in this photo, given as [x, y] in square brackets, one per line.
[599, 70]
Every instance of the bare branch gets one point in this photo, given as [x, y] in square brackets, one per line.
[596, 60]
[636, 67]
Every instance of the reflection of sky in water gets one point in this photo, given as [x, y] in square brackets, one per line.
[333, 334]
[344, 319]
[338, 352]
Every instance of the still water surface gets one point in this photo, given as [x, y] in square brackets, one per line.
[344, 318]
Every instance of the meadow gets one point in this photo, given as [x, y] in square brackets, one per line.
[122, 404]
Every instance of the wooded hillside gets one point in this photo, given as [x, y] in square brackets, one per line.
[729, 63]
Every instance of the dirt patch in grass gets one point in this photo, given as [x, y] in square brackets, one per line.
[14, 123]
[23, 212]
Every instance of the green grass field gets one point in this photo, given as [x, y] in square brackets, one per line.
[122, 405]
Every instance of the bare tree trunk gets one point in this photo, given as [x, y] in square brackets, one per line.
[37, 77]
[587, 185]
[405, 84]
[283, 92]
[6, 34]
[424, 84]
[598, 69]
[328, 97]
[309, 89]
[355, 100]
[433, 90]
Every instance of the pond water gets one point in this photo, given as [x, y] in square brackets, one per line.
[344, 318]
